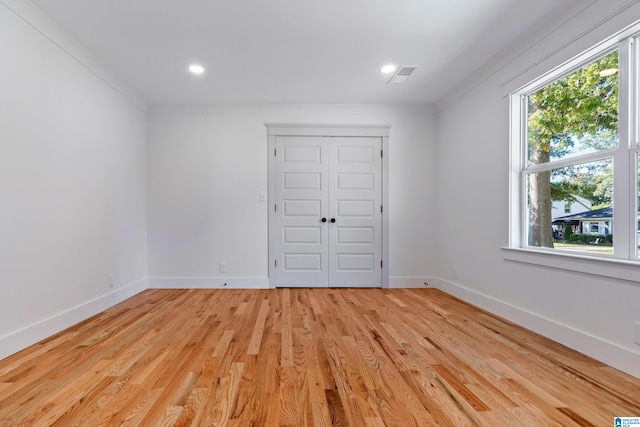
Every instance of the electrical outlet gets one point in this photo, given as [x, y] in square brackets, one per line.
[636, 332]
[223, 267]
[112, 280]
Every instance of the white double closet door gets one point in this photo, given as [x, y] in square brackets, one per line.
[328, 215]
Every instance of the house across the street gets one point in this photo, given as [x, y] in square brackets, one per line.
[576, 204]
[591, 222]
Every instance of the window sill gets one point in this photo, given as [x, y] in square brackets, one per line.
[596, 266]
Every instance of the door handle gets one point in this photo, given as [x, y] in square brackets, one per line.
[324, 220]
[333, 220]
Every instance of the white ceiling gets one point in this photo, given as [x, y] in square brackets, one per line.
[295, 51]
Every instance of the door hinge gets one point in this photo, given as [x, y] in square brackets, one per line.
[275, 262]
[380, 153]
[274, 152]
[380, 263]
[275, 208]
[380, 208]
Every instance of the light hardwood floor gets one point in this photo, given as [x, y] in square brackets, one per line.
[298, 357]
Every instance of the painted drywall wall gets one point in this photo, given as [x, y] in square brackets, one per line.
[72, 184]
[207, 169]
[592, 314]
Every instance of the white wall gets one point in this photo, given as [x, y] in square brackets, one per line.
[72, 183]
[576, 206]
[207, 169]
[593, 314]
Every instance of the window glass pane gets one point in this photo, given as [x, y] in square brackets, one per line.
[588, 191]
[575, 115]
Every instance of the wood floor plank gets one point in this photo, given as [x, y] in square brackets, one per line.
[307, 357]
[256, 336]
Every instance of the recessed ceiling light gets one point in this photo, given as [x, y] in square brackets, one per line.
[388, 69]
[196, 69]
[608, 72]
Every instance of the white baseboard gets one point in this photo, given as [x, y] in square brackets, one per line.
[604, 351]
[23, 338]
[410, 282]
[208, 282]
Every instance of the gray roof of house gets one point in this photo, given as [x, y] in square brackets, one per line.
[602, 213]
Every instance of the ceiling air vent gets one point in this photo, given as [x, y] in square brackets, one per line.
[402, 74]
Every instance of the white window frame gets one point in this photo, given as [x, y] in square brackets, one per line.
[624, 263]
